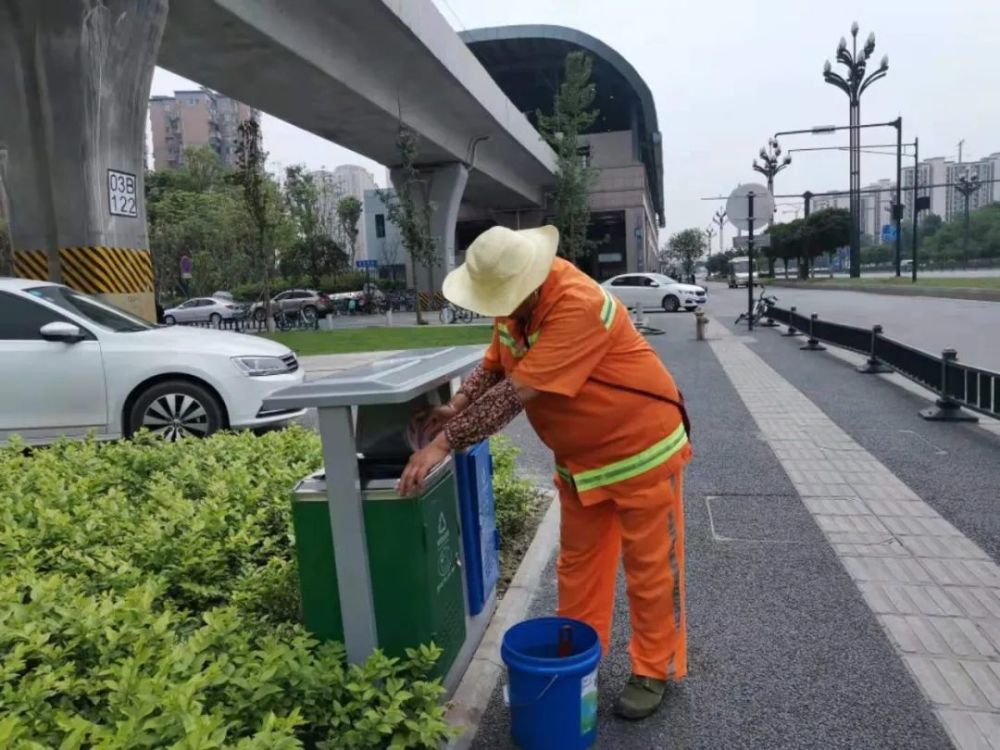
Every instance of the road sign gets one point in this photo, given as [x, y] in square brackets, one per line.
[759, 242]
[122, 190]
[888, 233]
[738, 207]
[187, 266]
[366, 263]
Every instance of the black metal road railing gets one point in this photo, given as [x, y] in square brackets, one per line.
[956, 384]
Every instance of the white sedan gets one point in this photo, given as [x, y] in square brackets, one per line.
[654, 290]
[203, 310]
[71, 364]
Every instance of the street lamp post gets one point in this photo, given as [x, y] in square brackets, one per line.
[854, 85]
[966, 185]
[720, 219]
[771, 162]
[709, 234]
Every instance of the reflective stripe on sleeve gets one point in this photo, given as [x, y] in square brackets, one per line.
[657, 454]
[607, 309]
[508, 340]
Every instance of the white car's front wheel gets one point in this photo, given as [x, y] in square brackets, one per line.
[671, 303]
[175, 409]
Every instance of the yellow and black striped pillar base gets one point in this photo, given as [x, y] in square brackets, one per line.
[431, 301]
[122, 275]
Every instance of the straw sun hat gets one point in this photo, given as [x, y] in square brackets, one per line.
[502, 267]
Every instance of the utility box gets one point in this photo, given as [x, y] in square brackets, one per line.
[376, 569]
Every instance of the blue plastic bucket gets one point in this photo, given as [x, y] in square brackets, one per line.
[552, 698]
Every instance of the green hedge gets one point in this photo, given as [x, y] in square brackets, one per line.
[148, 599]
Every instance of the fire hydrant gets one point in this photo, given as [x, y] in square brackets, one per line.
[700, 321]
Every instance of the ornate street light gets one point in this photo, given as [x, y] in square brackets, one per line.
[967, 185]
[720, 219]
[854, 85]
[771, 162]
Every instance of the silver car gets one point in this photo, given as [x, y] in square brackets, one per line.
[317, 304]
[202, 310]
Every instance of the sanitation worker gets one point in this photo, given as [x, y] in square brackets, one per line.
[566, 352]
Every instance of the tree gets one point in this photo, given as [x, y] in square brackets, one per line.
[348, 215]
[718, 264]
[312, 252]
[571, 116]
[786, 242]
[314, 259]
[197, 211]
[409, 208]
[826, 231]
[930, 224]
[203, 169]
[259, 202]
[683, 250]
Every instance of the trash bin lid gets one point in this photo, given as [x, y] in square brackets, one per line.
[393, 380]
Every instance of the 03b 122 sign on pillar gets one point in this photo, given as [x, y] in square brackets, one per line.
[122, 199]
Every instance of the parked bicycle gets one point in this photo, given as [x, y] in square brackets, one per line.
[302, 319]
[760, 307]
[454, 314]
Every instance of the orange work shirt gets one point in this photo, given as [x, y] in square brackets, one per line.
[582, 354]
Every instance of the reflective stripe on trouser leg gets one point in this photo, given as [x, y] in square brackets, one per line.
[589, 550]
[652, 538]
[680, 656]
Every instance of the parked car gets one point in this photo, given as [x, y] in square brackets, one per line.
[71, 364]
[293, 300]
[656, 290]
[203, 310]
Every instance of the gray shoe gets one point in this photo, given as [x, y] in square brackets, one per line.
[640, 697]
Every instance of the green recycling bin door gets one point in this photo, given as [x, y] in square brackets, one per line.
[414, 560]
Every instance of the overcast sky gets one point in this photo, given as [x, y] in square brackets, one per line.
[726, 75]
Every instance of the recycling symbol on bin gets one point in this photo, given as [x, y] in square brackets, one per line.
[444, 561]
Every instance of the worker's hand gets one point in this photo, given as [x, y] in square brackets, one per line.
[437, 417]
[421, 464]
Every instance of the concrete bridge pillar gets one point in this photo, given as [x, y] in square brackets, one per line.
[443, 189]
[74, 90]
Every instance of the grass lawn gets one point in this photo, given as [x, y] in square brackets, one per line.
[345, 340]
[976, 282]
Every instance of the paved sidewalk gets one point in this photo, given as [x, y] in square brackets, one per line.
[840, 593]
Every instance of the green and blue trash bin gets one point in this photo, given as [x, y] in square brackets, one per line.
[381, 571]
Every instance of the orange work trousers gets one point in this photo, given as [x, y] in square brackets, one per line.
[646, 528]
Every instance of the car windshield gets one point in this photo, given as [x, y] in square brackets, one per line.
[741, 266]
[100, 313]
[664, 279]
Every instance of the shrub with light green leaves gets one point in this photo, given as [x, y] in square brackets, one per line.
[148, 599]
[514, 497]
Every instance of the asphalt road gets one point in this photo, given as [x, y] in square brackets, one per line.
[928, 323]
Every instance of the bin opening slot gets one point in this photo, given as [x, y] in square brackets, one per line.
[381, 428]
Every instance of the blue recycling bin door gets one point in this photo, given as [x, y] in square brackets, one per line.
[474, 470]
